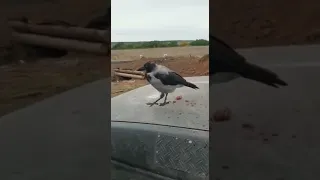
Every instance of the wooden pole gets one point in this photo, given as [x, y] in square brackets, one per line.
[59, 43]
[129, 71]
[128, 75]
[62, 31]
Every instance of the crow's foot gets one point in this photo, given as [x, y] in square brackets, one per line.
[151, 104]
[162, 104]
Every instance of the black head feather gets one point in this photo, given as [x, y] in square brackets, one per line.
[149, 66]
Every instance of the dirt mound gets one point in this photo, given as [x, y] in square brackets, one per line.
[204, 61]
[204, 58]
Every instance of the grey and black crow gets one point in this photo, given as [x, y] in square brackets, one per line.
[164, 80]
[226, 64]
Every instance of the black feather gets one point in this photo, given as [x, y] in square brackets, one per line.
[172, 78]
[223, 58]
[148, 77]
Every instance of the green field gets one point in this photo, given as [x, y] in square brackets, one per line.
[156, 44]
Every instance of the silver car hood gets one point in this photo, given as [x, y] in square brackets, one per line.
[192, 111]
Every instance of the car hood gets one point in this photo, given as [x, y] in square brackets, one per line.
[192, 111]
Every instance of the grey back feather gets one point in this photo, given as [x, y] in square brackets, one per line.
[162, 69]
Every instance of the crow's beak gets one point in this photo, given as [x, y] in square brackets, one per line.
[141, 69]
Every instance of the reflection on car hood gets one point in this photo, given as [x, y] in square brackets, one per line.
[192, 111]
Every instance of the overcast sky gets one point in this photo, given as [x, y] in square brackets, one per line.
[147, 20]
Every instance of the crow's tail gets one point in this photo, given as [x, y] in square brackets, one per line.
[263, 75]
[190, 85]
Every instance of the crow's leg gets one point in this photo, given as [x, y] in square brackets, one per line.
[165, 101]
[153, 103]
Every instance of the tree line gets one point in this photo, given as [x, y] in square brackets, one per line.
[159, 44]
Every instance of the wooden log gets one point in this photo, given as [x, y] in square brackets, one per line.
[129, 71]
[59, 43]
[129, 75]
[62, 31]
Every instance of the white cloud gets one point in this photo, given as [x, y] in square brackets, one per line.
[147, 20]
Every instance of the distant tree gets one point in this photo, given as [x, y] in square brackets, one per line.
[120, 45]
[158, 44]
[172, 44]
[182, 44]
[146, 45]
[199, 42]
[130, 46]
[154, 44]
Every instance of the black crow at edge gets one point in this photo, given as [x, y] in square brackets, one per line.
[226, 64]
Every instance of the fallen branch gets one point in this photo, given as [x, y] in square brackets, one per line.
[59, 43]
[63, 32]
[128, 75]
[129, 71]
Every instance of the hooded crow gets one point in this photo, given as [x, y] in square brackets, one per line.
[164, 80]
[226, 64]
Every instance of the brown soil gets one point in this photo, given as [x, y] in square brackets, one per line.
[130, 54]
[118, 88]
[24, 84]
[185, 66]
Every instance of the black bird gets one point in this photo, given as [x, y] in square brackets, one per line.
[164, 80]
[226, 64]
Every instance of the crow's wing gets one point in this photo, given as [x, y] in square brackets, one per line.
[223, 58]
[226, 59]
[170, 78]
[148, 77]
